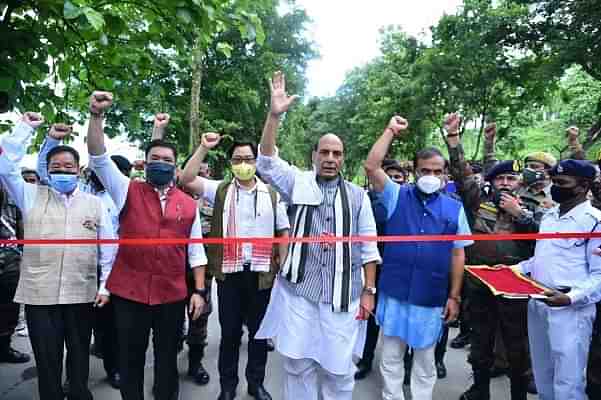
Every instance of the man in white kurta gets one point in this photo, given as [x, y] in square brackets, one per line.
[319, 304]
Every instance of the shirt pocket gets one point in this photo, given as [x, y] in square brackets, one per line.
[567, 244]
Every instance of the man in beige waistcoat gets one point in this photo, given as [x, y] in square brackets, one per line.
[58, 284]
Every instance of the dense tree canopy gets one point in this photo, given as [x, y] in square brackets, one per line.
[531, 66]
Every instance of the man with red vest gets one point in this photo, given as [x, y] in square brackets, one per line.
[148, 284]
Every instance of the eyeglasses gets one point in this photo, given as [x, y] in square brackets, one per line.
[240, 160]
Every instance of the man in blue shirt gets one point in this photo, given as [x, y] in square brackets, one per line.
[421, 282]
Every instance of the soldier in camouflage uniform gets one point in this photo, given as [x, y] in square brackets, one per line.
[11, 227]
[198, 329]
[495, 211]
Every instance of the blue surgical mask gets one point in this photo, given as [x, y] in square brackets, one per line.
[160, 173]
[63, 183]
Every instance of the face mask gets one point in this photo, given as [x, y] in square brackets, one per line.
[244, 171]
[531, 176]
[63, 183]
[561, 195]
[429, 184]
[159, 173]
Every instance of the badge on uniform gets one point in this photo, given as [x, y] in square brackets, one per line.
[90, 224]
[516, 166]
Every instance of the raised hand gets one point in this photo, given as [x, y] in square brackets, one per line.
[161, 120]
[210, 140]
[100, 102]
[60, 131]
[33, 119]
[280, 101]
[490, 132]
[452, 122]
[397, 125]
[572, 133]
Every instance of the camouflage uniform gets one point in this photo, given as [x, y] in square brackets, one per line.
[485, 310]
[11, 227]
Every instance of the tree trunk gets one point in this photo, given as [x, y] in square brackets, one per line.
[477, 149]
[197, 71]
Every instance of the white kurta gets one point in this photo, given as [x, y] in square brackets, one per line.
[302, 329]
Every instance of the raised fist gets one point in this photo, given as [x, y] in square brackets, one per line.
[280, 101]
[33, 119]
[210, 140]
[451, 123]
[161, 120]
[398, 125]
[490, 131]
[100, 102]
[572, 133]
[60, 131]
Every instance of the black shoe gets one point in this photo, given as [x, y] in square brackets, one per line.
[474, 393]
[114, 380]
[363, 369]
[531, 388]
[496, 372]
[199, 374]
[227, 395]
[460, 341]
[258, 392]
[13, 356]
[96, 351]
[441, 370]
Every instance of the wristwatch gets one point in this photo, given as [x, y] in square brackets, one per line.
[202, 293]
[370, 290]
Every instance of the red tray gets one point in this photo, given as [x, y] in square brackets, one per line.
[506, 282]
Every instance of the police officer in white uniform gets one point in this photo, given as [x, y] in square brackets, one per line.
[560, 326]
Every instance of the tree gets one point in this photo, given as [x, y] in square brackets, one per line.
[54, 53]
[564, 33]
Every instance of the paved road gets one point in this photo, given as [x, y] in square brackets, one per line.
[18, 382]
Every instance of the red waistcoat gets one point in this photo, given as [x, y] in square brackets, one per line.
[152, 274]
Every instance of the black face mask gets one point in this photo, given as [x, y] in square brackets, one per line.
[497, 195]
[561, 195]
[159, 173]
[531, 176]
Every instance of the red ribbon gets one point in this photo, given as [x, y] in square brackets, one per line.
[310, 239]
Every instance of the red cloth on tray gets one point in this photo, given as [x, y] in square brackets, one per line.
[505, 281]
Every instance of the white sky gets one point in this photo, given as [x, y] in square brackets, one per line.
[346, 33]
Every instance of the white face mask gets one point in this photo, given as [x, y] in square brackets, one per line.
[429, 184]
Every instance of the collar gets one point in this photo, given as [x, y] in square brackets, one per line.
[252, 189]
[574, 213]
[164, 191]
[64, 195]
[328, 183]
[425, 198]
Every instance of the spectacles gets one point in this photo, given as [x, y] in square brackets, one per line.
[240, 160]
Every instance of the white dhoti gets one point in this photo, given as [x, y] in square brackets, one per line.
[316, 342]
[559, 343]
